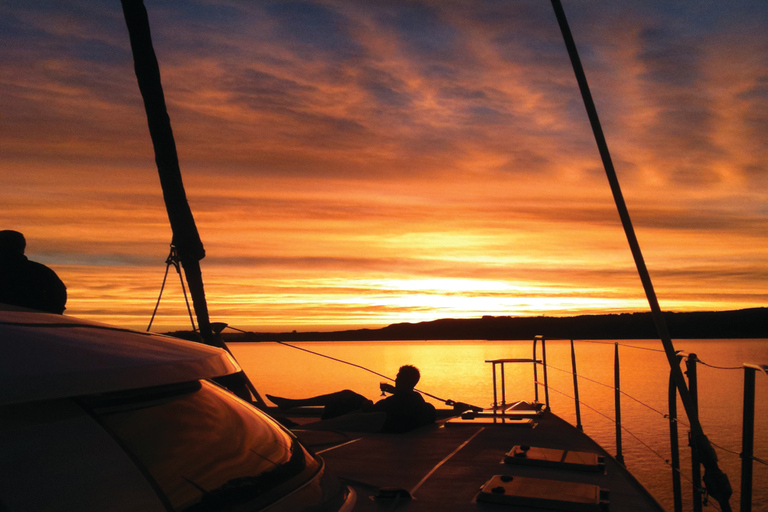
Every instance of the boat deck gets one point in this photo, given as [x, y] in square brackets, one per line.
[444, 466]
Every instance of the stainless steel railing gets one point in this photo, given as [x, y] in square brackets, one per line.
[691, 361]
[748, 434]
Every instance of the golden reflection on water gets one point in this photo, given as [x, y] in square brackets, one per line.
[457, 370]
[449, 369]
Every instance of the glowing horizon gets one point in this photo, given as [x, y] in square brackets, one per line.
[353, 165]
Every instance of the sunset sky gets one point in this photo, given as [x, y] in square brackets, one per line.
[356, 164]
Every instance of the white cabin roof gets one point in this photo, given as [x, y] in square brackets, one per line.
[45, 356]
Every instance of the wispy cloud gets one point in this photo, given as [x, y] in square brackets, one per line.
[333, 151]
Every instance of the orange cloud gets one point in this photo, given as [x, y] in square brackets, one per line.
[354, 165]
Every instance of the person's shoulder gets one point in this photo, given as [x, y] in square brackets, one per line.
[13, 260]
[34, 266]
[413, 398]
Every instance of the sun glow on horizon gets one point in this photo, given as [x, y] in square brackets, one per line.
[336, 304]
[356, 165]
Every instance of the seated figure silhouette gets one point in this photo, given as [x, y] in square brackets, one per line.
[26, 283]
[404, 410]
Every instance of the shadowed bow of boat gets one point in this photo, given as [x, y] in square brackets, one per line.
[526, 460]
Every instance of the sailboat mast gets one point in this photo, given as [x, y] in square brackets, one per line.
[717, 483]
[186, 238]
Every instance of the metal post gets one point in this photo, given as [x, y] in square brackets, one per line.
[503, 390]
[674, 445]
[544, 363]
[186, 238]
[693, 380]
[722, 491]
[748, 436]
[495, 395]
[576, 389]
[535, 372]
[617, 398]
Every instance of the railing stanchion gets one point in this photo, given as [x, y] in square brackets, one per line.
[690, 363]
[576, 388]
[674, 445]
[748, 436]
[503, 391]
[544, 365]
[617, 398]
[495, 394]
[535, 371]
[503, 406]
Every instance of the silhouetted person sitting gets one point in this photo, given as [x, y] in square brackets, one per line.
[26, 283]
[405, 409]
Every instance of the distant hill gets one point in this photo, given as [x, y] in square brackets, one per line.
[744, 323]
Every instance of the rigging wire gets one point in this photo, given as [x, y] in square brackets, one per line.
[358, 366]
[173, 260]
[720, 367]
[646, 445]
[445, 401]
[664, 415]
[739, 455]
[598, 342]
[335, 359]
[622, 392]
[157, 305]
[666, 461]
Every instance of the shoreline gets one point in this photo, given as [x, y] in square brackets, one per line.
[738, 324]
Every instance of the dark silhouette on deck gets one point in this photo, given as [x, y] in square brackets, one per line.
[404, 410]
[26, 283]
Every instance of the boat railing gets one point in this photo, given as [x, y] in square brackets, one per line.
[748, 434]
[499, 376]
[691, 361]
[747, 438]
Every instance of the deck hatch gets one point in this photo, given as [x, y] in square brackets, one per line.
[489, 421]
[554, 458]
[543, 493]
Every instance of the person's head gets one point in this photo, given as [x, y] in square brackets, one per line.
[12, 242]
[407, 378]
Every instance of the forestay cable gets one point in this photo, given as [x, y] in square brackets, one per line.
[357, 366]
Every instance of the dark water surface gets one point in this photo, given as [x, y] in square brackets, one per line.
[457, 370]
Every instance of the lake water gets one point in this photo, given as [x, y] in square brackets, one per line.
[457, 370]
